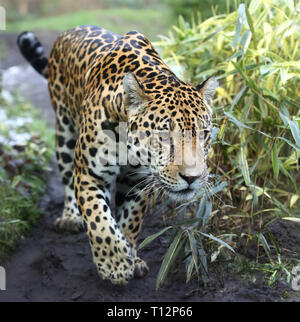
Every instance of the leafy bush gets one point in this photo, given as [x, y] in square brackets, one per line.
[189, 9]
[254, 52]
[26, 146]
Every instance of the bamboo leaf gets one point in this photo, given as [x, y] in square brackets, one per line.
[265, 244]
[273, 240]
[220, 241]
[189, 268]
[293, 126]
[289, 142]
[295, 131]
[293, 200]
[238, 97]
[254, 4]
[245, 41]
[237, 34]
[238, 123]
[280, 206]
[244, 166]
[149, 239]
[193, 246]
[295, 219]
[203, 262]
[207, 213]
[248, 80]
[217, 188]
[250, 22]
[169, 259]
[201, 208]
[275, 161]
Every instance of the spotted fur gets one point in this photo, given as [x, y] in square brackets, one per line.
[98, 79]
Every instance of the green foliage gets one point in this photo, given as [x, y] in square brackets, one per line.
[254, 52]
[190, 9]
[26, 146]
[275, 270]
[272, 271]
[187, 237]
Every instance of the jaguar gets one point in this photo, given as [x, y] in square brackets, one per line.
[122, 118]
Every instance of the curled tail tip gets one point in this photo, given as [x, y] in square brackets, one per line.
[33, 51]
[30, 45]
[25, 36]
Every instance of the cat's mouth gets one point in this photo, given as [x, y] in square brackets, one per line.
[179, 195]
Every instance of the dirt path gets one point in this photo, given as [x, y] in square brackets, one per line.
[50, 266]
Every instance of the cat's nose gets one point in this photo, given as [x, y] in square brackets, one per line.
[189, 179]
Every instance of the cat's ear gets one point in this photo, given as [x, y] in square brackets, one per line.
[135, 97]
[208, 88]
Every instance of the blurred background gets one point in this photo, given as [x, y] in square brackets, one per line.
[150, 17]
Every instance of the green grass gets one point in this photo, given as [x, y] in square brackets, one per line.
[148, 21]
[22, 167]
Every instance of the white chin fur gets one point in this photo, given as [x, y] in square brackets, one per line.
[178, 196]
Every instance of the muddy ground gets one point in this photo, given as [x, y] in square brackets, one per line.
[51, 266]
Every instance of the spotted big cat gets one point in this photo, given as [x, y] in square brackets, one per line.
[97, 82]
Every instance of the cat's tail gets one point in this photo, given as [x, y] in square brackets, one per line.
[33, 51]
